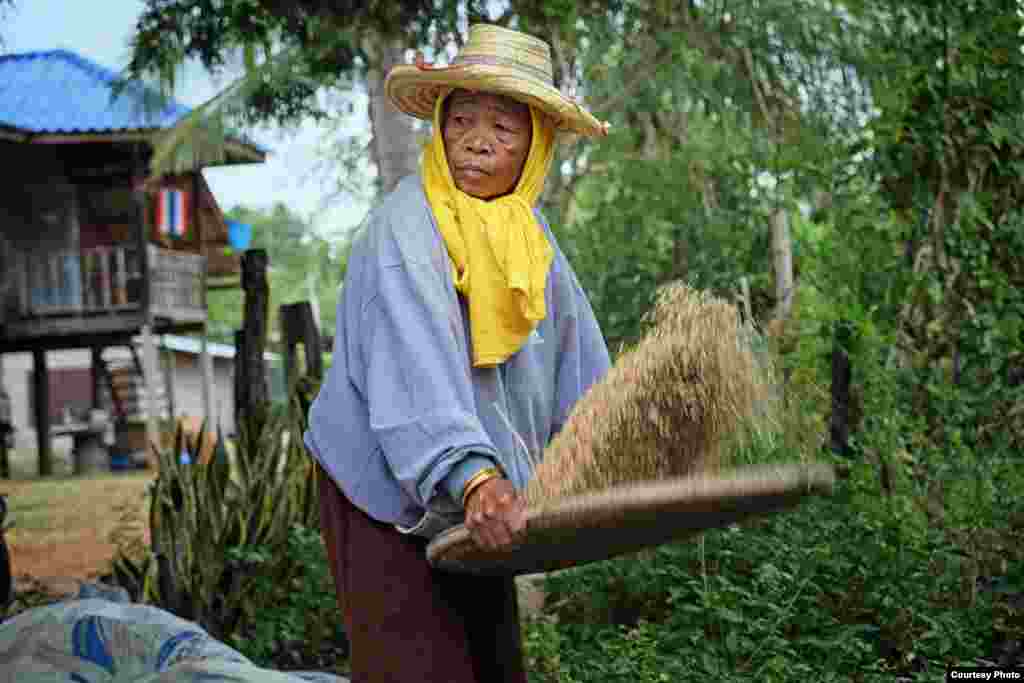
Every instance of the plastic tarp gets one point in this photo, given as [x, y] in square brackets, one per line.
[100, 641]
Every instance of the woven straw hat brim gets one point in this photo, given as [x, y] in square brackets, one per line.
[599, 526]
[414, 91]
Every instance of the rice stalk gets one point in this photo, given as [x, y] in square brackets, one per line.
[669, 407]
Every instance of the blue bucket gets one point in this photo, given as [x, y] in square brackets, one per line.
[239, 235]
[119, 461]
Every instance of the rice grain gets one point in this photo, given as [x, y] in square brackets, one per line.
[666, 408]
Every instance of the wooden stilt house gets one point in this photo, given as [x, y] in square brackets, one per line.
[94, 252]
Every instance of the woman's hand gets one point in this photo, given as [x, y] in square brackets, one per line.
[495, 514]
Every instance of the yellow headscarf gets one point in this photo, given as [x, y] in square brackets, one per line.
[500, 254]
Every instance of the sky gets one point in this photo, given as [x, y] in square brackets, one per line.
[101, 30]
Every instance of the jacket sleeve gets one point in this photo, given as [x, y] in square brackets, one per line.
[582, 354]
[418, 383]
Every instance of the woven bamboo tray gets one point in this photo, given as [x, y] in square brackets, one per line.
[597, 526]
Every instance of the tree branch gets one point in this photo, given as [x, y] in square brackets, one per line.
[643, 75]
[762, 104]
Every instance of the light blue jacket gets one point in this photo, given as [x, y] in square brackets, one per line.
[402, 419]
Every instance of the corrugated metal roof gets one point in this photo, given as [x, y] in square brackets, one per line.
[192, 345]
[61, 92]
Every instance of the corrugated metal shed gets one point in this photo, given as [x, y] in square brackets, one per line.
[60, 92]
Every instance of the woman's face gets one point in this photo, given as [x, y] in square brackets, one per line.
[487, 139]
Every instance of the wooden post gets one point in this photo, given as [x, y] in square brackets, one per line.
[299, 326]
[96, 365]
[839, 420]
[169, 366]
[206, 367]
[142, 239]
[205, 361]
[41, 393]
[241, 380]
[149, 361]
[150, 375]
[288, 321]
[252, 393]
[196, 220]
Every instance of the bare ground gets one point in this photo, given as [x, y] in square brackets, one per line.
[60, 528]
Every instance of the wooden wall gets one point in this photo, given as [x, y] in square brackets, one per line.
[38, 210]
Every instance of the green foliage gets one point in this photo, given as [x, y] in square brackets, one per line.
[322, 40]
[853, 588]
[722, 116]
[304, 616]
[641, 222]
[890, 135]
[216, 524]
[915, 252]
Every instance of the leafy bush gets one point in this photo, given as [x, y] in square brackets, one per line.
[853, 588]
[303, 628]
[233, 545]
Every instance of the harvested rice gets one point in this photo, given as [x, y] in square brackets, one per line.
[666, 408]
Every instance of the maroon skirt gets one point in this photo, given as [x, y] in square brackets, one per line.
[407, 622]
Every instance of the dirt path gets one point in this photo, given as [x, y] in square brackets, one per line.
[62, 527]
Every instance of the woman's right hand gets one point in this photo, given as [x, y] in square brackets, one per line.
[496, 514]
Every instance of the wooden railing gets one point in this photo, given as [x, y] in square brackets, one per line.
[66, 281]
[176, 288]
[110, 280]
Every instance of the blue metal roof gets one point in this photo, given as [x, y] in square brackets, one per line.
[61, 92]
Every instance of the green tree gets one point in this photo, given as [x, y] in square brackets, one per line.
[723, 119]
[293, 56]
[296, 54]
[949, 146]
[304, 266]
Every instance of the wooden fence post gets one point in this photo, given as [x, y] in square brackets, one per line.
[241, 381]
[251, 392]
[151, 376]
[96, 367]
[839, 420]
[169, 363]
[41, 384]
[211, 413]
[298, 326]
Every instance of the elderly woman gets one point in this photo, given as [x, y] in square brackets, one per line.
[463, 341]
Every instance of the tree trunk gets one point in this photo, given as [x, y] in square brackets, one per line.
[782, 258]
[395, 148]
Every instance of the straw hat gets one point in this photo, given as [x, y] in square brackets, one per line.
[495, 60]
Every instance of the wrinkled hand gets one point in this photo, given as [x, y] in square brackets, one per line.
[495, 514]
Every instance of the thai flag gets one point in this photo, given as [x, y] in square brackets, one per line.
[172, 213]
